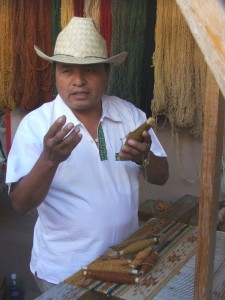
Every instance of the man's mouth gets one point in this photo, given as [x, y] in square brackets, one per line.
[79, 94]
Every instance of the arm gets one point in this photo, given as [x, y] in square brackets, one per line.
[156, 170]
[31, 190]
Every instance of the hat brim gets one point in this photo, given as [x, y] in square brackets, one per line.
[67, 59]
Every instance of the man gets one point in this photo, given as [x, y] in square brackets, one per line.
[67, 160]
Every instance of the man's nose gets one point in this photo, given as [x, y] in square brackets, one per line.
[78, 77]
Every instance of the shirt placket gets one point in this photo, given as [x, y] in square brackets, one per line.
[102, 144]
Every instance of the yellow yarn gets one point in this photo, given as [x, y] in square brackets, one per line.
[67, 12]
[91, 10]
[6, 48]
[180, 71]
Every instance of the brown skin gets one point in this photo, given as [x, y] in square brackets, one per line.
[157, 171]
[81, 87]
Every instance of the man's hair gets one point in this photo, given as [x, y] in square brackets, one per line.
[107, 67]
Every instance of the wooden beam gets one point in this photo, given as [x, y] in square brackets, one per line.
[210, 185]
[206, 20]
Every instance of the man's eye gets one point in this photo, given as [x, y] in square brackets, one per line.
[65, 71]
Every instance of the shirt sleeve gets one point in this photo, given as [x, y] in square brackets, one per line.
[156, 146]
[24, 152]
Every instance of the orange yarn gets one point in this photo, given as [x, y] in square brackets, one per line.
[140, 256]
[32, 76]
[6, 48]
[67, 12]
[138, 246]
[149, 262]
[112, 277]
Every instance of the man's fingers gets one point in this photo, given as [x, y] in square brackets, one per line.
[136, 151]
[147, 138]
[72, 139]
[58, 132]
[56, 127]
[61, 135]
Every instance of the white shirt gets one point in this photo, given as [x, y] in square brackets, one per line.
[91, 204]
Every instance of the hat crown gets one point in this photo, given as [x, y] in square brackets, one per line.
[81, 43]
[81, 39]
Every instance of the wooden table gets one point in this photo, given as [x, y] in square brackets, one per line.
[180, 286]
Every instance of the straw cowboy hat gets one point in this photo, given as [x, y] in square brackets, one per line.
[81, 43]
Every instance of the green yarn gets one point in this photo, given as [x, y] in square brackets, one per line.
[56, 15]
[56, 28]
[129, 21]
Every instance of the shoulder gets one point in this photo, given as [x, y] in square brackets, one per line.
[41, 111]
[123, 106]
[124, 111]
[37, 120]
[116, 101]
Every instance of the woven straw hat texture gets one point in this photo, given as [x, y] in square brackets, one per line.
[81, 43]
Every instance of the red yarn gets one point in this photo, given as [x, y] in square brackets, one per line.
[149, 262]
[8, 131]
[112, 277]
[79, 8]
[32, 76]
[105, 22]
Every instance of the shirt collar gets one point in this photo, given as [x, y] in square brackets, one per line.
[109, 110]
[62, 109]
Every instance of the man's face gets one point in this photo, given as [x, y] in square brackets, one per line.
[81, 86]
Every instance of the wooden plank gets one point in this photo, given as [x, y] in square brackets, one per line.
[209, 191]
[206, 20]
[183, 210]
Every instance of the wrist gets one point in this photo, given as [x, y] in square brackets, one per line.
[146, 161]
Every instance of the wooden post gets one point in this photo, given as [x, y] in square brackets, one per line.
[210, 185]
[206, 20]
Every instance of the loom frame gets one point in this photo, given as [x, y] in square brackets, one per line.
[206, 21]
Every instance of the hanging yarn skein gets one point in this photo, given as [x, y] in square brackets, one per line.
[128, 34]
[6, 49]
[56, 28]
[105, 22]
[32, 76]
[78, 8]
[44, 70]
[56, 19]
[67, 12]
[180, 71]
[91, 10]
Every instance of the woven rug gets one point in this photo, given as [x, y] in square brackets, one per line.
[177, 245]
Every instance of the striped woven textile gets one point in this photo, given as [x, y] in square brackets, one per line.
[176, 247]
